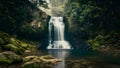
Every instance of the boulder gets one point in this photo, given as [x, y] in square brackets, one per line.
[9, 57]
[31, 64]
[8, 43]
[24, 45]
[14, 48]
[39, 62]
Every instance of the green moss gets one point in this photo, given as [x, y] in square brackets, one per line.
[4, 38]
[9, 57]
[14, 41]
[95, 45]
[8, 43]
[14, 48]
[24, 45]
[1, 41]
[48, 57]
[31, 65]
[31, 62]
[4, 59]
[11, 46]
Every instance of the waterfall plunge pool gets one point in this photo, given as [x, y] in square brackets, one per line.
[81, 58]
[60, 48]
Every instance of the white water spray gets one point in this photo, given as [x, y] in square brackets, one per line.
[57, 41]
[55, 7]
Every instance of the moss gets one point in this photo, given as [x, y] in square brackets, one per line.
[14, 42]
[31, 64]
[4, 59]
[4, 38]
[9, 57]
[48, 57]
[14, 48]
[1, 41]
[11, 46]
[96, 45]
[24, 45]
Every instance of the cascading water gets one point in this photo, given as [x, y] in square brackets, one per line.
[56, 26]
[58, 41]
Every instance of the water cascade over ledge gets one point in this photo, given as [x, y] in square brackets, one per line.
[56, 34]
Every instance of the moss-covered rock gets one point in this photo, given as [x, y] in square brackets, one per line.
[14, 48]
[14, 41]
[39, 62]
[31, 64]
[8, 43]
[9, 57]
[1, 41]
[24, 45]
[4, 38]
[29, 58]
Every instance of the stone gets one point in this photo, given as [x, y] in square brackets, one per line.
[9, 57]
[39, 62]
[14, 48]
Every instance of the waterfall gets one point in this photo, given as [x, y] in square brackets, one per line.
[56, 25]
[57, 28]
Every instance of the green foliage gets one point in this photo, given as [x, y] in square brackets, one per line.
[94, 21]
[16, 17]
[12, 14]
[110, 39]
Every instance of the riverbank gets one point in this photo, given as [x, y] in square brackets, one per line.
[107, 44]
[12, 55]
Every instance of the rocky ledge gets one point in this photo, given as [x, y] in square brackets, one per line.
[39, 62]
[12, 51]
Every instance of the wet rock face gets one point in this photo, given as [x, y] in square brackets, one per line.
[9, 57]
[39, 62]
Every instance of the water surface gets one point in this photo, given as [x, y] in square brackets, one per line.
[86, 57]
[81, 58]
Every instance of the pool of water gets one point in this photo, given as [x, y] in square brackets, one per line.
[82, 59]
[78, 57]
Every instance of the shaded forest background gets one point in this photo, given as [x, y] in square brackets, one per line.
[97, 22]
[22, 19]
